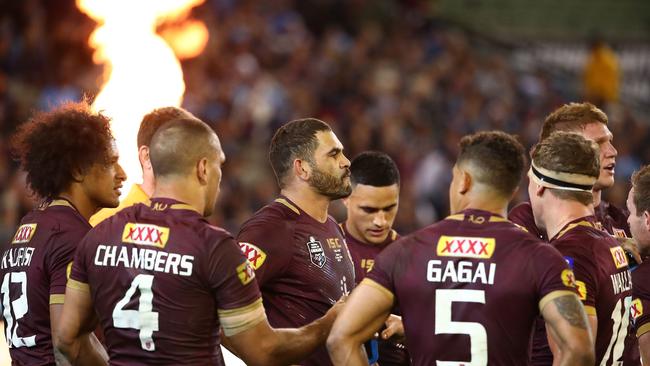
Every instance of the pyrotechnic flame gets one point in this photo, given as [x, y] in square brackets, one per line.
[141, 70]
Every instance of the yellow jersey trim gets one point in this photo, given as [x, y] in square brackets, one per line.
[234, 321]
[497, 219]
[393, 234]
[182, 206]
[288, 204]
[56, 299]
[382, 289]
[554, 295]
[590, 310]
[77, 285]
[572, 226]
[243, 309]
[61, 203]
[645, 328]
[457, 217]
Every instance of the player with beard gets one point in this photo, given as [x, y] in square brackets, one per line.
[470, 286]
[638, 203]
[371, 210]
[300, 257]
[564, 168]
[71, 163]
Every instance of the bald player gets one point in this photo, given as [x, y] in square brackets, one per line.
[638, 203]
[470, 286]
[162, 280]
[71, 164]
[140, 193]
[565, 167]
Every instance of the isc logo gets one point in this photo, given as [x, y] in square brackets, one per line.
[24, 234]
[145, 234]
[620, 259]
[466, 247]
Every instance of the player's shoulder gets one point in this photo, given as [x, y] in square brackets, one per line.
[641, 277]
[523, 209]
[279, 215]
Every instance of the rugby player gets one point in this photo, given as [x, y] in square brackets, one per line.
[565, 166]
[71, 164]
[162, 280]
[638, 203]
[371, 210]
[470, 286]
[140, 193]
[298, 251]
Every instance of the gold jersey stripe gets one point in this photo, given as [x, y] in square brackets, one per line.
[238, 320]
[570, 227]
[590, 310]
[60, 203]
[243, 309]
[56, 299]
[182, 206]
[77, 285]
[645, 328]
[497, 219]
[554, 295]
[457, 217]
[373, 284]
[289, 205]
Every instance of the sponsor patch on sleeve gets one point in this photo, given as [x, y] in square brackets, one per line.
[636, 310]
[568, 278]
[255, 255]
[245, 272]
[620, 259]
[619, 233]
[582, 290]
[466, 247]
[145, 234]
[24, 234]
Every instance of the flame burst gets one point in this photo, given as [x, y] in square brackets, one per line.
[141, 70]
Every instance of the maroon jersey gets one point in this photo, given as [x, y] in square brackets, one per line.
[363, 255]
[470, 288]
[604, 283]
[162, 280]
[522, 215]
[33, 274]
[640, 310]
[302, 266]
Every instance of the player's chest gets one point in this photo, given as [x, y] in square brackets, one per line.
[321, 249]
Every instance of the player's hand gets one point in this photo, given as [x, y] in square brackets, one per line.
[394, 327]
[631, 248]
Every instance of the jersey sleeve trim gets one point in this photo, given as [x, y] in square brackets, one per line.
[238, 320]
[56, 299]
[552, 296]
[384, 290]
[645, 328]
[77, 285]
[590, 310]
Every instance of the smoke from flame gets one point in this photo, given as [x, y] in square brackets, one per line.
[142, 71]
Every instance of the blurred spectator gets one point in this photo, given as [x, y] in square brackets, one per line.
[601, 75]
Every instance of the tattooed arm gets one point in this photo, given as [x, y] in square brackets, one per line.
[566, 322]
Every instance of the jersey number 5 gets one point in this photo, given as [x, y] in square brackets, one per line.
[476, 331]
[143, 319]
[19, 307]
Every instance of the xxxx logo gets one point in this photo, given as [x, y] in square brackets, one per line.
[637, 309]
[254, 254]
[466, 247]
[145, 234]
[245, 272]
[24, 234]
[620, 259]
[568, 278]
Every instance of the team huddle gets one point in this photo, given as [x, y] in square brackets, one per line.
[90, 280]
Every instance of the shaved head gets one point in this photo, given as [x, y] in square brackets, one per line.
[178, 145]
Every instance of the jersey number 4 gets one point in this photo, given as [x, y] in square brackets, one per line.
[476, 331]
[144, 319]
[18, 307]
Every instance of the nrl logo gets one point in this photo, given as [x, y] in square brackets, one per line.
[316, 252]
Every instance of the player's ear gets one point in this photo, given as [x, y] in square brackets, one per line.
[78, 175]
[465, 182]
[202, 171]
[646, 220]
[143, 156]
[539, 191]
[301, 169]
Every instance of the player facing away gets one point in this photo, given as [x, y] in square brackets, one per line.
[71, 164]
[140, 193]
[470, 286]
[162, 280]
[638, 203]
[300, 257]
[371, 210]
[564, 168]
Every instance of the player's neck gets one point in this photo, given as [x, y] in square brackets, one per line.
[562, 213]
[180, 190]
[81, 202]
[487, 203]
[597, 197]
[148, 185]
[314, 204]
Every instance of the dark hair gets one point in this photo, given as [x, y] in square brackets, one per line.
[374, 168]
[179, 144]
[572, 117]
[568, 152]
[54, 146]
[497, 159]
[294, 140]
[641, 184]
[153, 120]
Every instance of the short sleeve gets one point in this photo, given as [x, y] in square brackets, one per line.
[551, 274]
[383, 271]
[60, 258]
[522, 215]
[640, 309]
[267, 248]
[79, 270]
[584, 266]
[231, 276]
